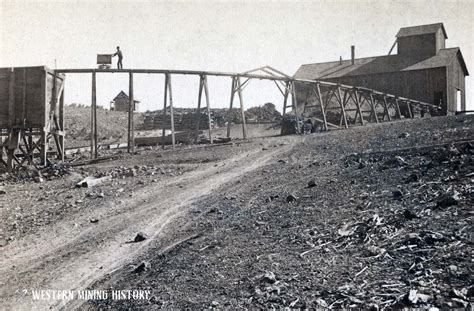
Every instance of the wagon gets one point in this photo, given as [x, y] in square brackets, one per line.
[104, 61]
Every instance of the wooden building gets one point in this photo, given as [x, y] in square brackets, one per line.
[423, 69]
[121, 102]
[31, 115]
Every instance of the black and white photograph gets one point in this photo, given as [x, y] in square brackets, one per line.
[236, 154]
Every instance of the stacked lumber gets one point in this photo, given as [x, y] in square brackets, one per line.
[182, 122]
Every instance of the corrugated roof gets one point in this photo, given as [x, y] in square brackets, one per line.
[378, 64]
[421, 30]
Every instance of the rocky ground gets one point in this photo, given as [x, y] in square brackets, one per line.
[374, 217]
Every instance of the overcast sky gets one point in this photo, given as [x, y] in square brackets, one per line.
[216, 36]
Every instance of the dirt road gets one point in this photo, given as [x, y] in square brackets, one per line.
[64, 255]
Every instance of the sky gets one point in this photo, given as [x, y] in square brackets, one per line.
[230, 36]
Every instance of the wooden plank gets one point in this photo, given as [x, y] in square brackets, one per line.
[198, 112]
[410, 112]
[285, 97]
[206, 91]
[131, 106]
[93, 137]
[322, 106]
[359, 111]
[397, 105]
[294, 104]
[343, 111]
[372, 104]
[173, 141]
[386, 108]
[242, 110]
[61, 122]
[229, 114]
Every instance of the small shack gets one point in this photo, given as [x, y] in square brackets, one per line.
[121, 102]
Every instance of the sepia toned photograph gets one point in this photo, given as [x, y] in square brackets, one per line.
[236, 155]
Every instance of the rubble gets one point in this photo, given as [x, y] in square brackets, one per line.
[140, 237]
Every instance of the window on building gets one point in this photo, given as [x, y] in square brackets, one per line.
[458, 100]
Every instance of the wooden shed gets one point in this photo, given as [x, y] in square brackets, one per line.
[423, 69]
[31, 108]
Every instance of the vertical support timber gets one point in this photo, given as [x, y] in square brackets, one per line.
[372, 104]
[410, 112]
[398, 109]
[173, 141]
[386, 108]
[61, 122]
[198, 112]
[208, 106]
[229, 115]
[131, 108]
[165, 103]
[285, 97]
[341, 103]
[93, 117]
[294, 104]
[320, 99]
[359, 111]
[242, 110]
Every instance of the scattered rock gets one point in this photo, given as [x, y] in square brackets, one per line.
[447, 201]
[412, 178]
[403, 135]
[140, 237]
[397, 194]
[269, 277]
[409, 214]
[144, 266]
[291, 198]
[94, 220]
[311, 184]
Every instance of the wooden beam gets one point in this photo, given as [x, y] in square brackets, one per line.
[242, 110]
[386, 108]
[322, 106]
[198, 112]
[410, 112]
[61, 122]
[93, 117]
[208, 106]
[398, 109]
[229, 114]
[359, 111]
[294, 104]
[131, 108]
[343, 111]
[372, 104]
[285, 98]
[173, 141]
[165, 102]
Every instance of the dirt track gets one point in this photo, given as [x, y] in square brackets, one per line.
[219, 221]
[73, 252]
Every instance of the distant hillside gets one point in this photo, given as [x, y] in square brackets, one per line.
[111, 125]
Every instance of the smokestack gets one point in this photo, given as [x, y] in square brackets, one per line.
[352, 54]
